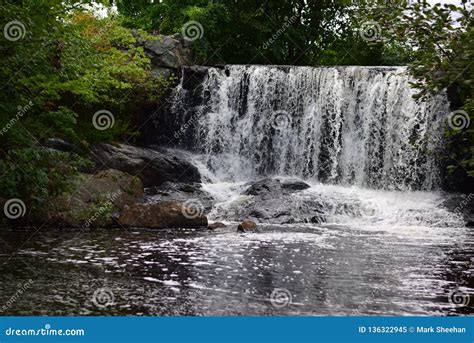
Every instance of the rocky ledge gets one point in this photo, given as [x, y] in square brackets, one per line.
[153, 166]
[112, 193]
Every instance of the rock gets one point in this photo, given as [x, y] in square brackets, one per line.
[463, 205]
[269, 186]
[152, 166]
[58, 144]
[165, 73]
[273, 200]
[93, 199]
[168, 51]
[166, 214]
[247, 226]
[216, 225]
[294, 185]
[174, 124]
[181, 192]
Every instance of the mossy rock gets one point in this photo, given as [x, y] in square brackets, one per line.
[94, 198]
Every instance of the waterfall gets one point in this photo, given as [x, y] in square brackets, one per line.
[339, 125]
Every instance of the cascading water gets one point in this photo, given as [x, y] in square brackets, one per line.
[344, 125]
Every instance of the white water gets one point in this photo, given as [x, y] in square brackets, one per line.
[345, 125]
[355, 134]
[350, 206]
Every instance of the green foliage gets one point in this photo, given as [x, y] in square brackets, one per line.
[264, 32]
[34, 174]
[60, 66]
[442, 37]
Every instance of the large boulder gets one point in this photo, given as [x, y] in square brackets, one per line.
[167, 53]
[276, 186]
[152, 166]
[275, 200]
[93, 199]
[166, 214]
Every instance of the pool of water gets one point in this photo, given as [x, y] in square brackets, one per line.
[301, 269]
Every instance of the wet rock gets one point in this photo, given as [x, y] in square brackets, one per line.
[152, 166]
[181, 192]
[269, 186]
[294, 185]
[463, 205]
[216, 225]
[276, 200]
[247, 226]
[166, 214]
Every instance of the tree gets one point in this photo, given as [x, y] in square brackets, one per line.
[61, 65]
[442, 38]
[294, 32]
